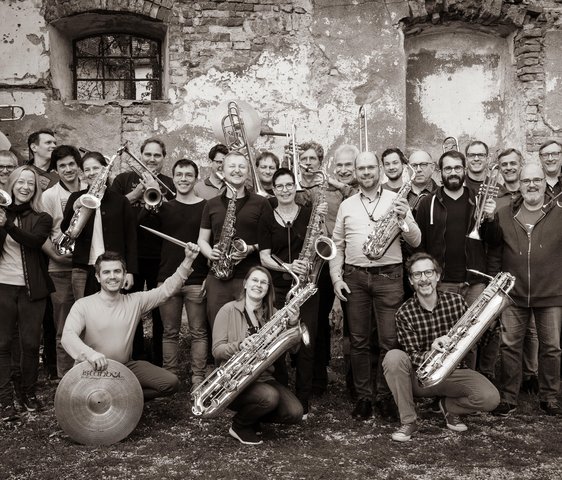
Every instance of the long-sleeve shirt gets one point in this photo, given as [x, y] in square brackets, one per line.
[417, 328]
[94, 325]
[354, 222]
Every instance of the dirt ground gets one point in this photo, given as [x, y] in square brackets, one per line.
[170, 443]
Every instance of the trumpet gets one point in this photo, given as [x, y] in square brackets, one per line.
[488, 189]
[11, 112]
[450, 144]
[152, 197]
[363, 134]
[5, 199]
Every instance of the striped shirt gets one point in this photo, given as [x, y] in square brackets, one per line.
[417, 328]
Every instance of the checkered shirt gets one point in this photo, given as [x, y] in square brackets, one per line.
[417, 327]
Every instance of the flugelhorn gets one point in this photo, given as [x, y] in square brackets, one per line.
[450, 144]
[363, 134]
[11, 112]
[488, 189]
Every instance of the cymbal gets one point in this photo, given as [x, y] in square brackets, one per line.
[99, 407]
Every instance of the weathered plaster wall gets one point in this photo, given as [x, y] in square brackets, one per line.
[311, 62]
[455, 87]
[553, 80]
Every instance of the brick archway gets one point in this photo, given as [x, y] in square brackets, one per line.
[156, 9]
[511, 13]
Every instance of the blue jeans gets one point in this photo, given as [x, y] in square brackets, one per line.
[268, 402]
[63, 299]
[372, 303]
[26, 316]
[515, 321]
[194, 299]
[465, 390]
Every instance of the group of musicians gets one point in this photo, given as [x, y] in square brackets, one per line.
[397, 308]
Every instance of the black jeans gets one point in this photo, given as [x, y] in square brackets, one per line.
[26, 316]
[148, 273]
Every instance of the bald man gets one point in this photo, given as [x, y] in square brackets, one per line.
[422, 183]
[528, 233]
[372, 288]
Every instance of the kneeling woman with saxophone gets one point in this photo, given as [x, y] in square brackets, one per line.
[235, 329]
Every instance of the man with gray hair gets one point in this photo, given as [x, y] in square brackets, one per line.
[422, 183]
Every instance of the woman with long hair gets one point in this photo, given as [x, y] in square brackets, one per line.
[24, 285]
[235, 328]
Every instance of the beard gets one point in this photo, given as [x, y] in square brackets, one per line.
[453, 182]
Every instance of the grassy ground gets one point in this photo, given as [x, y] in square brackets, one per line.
[170, 443]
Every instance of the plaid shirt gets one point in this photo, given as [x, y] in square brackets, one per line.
[417, 327]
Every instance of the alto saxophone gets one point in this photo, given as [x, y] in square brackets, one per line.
[387, 227]
[317, 247]
[223, 268]
[468, 330]
[91, 200]
[220, 388]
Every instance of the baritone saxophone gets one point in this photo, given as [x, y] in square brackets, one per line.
[468, 330]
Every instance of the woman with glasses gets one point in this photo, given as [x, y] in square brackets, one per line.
[235, 328]
[282, 233]
[24, 285]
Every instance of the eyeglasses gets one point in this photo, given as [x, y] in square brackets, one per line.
[549, 155]
[8, 168]
[288, 186]
[527, 181]
[422, 165]
[457, 169]
[257, 281]
[427, 273]
[476, 155]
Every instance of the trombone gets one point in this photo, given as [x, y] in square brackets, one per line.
[14, 112]
[236, 138]
[450, 144]
[363, 134]
[152, 196]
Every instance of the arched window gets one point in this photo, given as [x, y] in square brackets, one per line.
[117, 67]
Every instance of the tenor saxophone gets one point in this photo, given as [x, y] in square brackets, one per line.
[387, 227]
[468, 330]
[220, 388]
[223, 268]
[91, 200]
[317, 247]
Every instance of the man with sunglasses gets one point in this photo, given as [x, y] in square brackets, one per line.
[528, 235]
[422, 324]
[551, 161]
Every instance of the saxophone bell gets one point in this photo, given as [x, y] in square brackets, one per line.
[90, 201]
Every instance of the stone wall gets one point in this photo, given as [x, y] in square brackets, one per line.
[309, 62]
